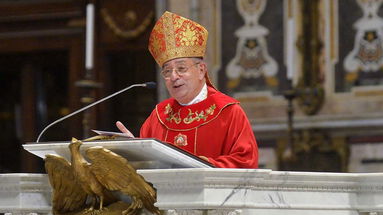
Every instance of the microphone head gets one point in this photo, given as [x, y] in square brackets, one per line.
[150, 85]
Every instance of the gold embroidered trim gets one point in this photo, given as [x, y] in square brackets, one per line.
[195, 141]
[188, 129]
[191, 117]
[172, 116]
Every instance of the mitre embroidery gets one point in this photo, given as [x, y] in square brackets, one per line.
[174, 36]
[188, 34]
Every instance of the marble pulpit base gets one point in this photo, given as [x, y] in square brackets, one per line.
[226, 192]
[247, 192]
[25, 194]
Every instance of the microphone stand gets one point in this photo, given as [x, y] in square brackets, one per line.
[147, 84]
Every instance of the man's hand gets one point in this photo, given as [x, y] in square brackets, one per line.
[123, 129]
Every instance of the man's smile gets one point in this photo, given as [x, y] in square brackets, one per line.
[177, 86]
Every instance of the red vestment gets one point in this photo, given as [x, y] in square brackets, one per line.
[216, 128]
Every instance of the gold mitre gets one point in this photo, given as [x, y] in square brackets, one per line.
[174, 36]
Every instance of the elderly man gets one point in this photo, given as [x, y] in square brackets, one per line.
[197, 118]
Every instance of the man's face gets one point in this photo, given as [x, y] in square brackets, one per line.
[184, 78]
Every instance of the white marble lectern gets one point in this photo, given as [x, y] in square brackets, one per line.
[226, 191]
[241, 191]
[213, 191]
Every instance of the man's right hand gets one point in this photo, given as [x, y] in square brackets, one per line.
[123, 129]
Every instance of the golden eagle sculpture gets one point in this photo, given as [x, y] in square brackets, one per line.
[92, 187]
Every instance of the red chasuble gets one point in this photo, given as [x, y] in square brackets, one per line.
[216, 128]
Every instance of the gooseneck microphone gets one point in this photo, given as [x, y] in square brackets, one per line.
[150, 85]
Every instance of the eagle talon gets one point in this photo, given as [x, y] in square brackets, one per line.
[89, 210]
[134, 207]
[92, 211]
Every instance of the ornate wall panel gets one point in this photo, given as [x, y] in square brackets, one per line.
[352, 96]
[253, 56]
[252, 38]
[361, 45]
[354, 61]
[264, 46]
[246, 52]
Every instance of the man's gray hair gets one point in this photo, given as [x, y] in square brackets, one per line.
[197, 59]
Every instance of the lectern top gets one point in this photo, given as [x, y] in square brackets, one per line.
[141, 153]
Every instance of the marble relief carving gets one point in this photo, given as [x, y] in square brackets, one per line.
[203, 212]
[252, 60]
[364, 63]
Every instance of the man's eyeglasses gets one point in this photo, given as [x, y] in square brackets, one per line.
[180, 70]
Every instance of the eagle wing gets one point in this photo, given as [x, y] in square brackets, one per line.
[67, 195]
[115, 173]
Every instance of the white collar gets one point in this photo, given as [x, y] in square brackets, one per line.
[200, 97]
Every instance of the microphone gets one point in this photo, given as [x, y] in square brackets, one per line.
[149, 85]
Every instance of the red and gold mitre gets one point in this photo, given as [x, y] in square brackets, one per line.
[174, 36]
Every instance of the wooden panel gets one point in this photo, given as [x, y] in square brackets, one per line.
[30, 19]
[48, 36]
[118, 17]
[125, 61]
[32, 11]
[29, 28]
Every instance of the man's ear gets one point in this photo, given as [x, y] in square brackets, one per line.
[202, 69]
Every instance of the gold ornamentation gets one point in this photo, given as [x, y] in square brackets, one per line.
[172, 116]
[251, 7]
[168, 109]
[131, 18]
[198, 116]
[76, 181]
[191, 117]
[174, 36]
[272, 81]
[188, 34]
[351, 77]
[181, 140]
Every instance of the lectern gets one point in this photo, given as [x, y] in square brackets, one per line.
[188, 185]
[141, 153]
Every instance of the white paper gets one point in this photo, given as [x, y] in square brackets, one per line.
[111, 133]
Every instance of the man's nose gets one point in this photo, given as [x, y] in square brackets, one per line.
[174, 75]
